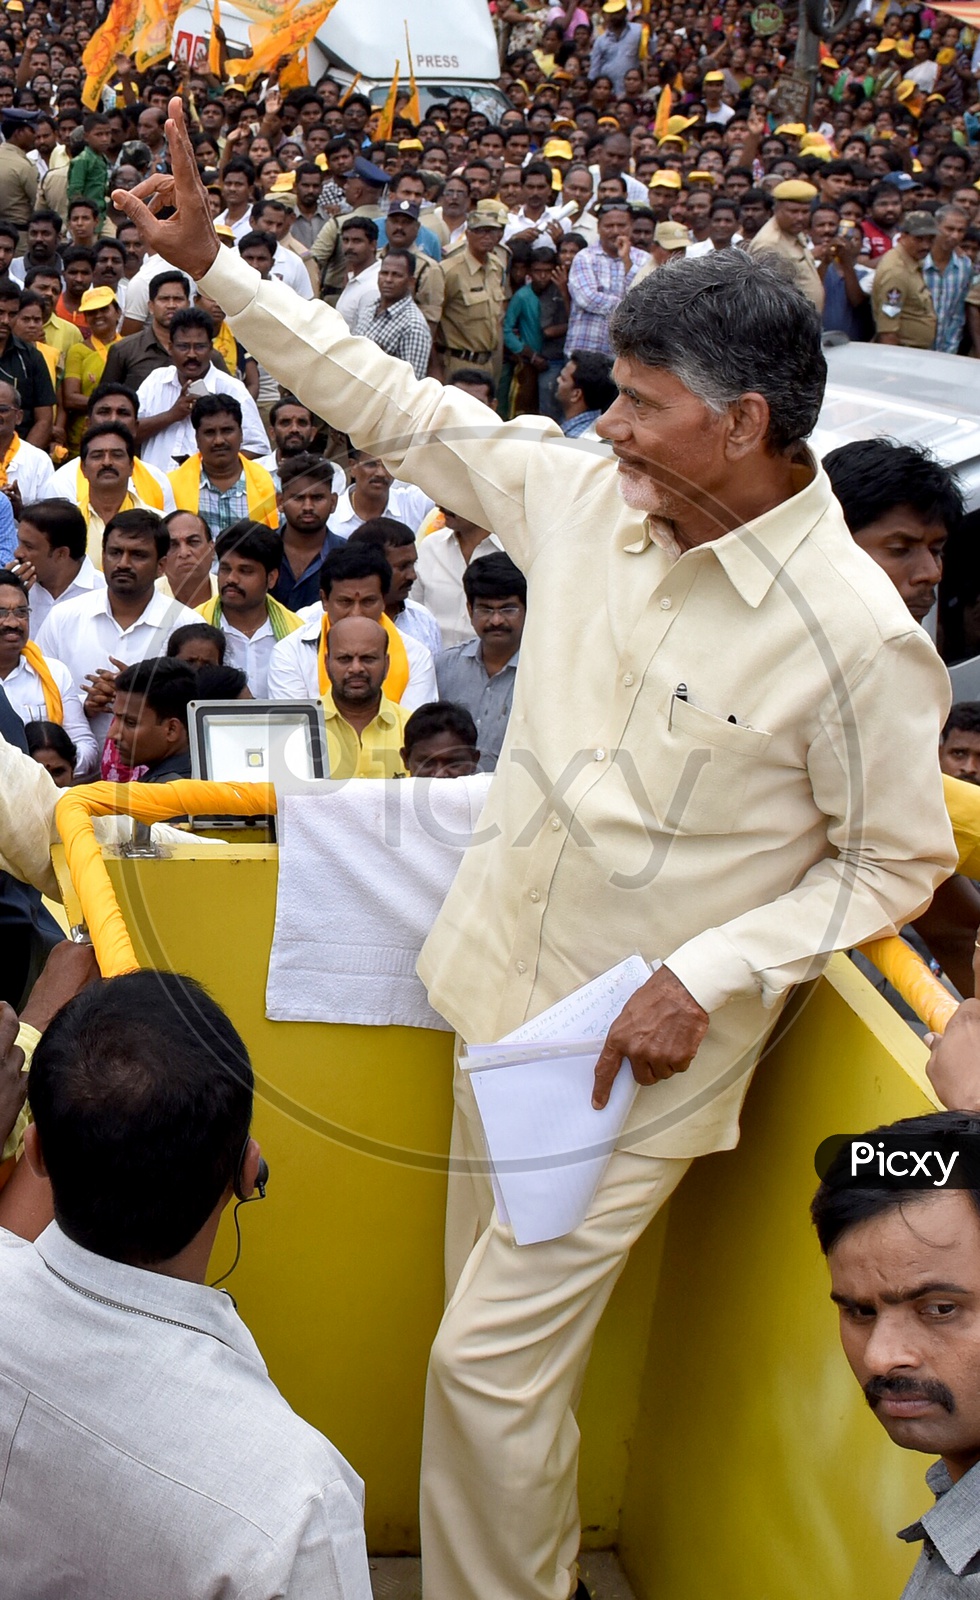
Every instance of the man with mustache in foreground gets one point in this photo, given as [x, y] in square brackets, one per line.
[721, 713]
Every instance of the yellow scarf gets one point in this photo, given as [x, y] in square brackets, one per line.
[147, 489]
[11, 451]
[259, 487]
[50, 690]
[226, 345]
[396, 682]
[282, 620]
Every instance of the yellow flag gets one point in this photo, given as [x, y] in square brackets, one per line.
[284, 36]
[663, 112]
[153, 31]
[297, 74]
[214, 43]
[412, 110]
[114, 37]
[387, 118]
[354, 83]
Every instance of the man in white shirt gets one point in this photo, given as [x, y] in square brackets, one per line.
[535, 217]
[354, 581]
[38, 688]
[101, 632]
[50, 557]
[373, 492]
[25, 468]
[115, 402]
[444, 556]
[166, 397]
[273, 217]
[249, 557]
[397, 544]
[174, 1464]
[359, 243]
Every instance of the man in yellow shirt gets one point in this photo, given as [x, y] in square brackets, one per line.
[365, 730]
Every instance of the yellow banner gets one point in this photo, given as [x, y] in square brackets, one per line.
[113, 38]
[214, 43]
[387, 118]
[289, 32]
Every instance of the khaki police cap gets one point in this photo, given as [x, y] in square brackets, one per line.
[671, 236]
[794, 189]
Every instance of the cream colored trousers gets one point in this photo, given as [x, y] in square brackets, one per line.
[499, 1503]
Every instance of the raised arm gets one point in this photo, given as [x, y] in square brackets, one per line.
[495, 474]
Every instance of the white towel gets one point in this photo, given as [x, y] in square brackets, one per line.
[364, 868]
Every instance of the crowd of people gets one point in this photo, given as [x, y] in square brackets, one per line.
[214, 488]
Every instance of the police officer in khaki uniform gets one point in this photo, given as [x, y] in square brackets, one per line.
[902, 305]
[784, 236]
[470, 331]
[18, 176]
[363, 188]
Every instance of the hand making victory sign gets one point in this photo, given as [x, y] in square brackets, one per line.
[187, 239]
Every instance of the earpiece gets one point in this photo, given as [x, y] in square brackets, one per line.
[241, 1199]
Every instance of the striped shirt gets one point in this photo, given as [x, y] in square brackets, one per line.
[949, 287]
[221, 507]
[597, 282]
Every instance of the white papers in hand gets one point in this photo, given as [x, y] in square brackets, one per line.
[547, 1146]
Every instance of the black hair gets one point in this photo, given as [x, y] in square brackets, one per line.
[140, 522]
[161, 279]
[215, 405]
[287, 400]
[82, 200]
[393, 254]
[62, 524]
[141, 1092]
[50, 736]
[870, 477]
[220, 683]
[181, 512]
[307, 465]
[255, 240]
[101, 431]
[104, 390]
[191, 317]
[382, 531]
[253, 541]
[366, 225]
[964, 717]
[494, 577]
[78, 252]
[10, 580]
[354, 561]
[440, 716]
[593, 375]
[840, 1203]
[51, 217]
[166, 685]
[473, 376]
[200, 632]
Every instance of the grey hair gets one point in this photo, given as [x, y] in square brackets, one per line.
[951, 211]
[727, 324]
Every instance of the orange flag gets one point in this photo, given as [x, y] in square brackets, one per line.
[663, 112]
[387, 118]
[289, 32]
[153, 31]
[113, 38]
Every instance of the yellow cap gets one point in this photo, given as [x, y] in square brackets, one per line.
[794, 189]
[557, 150]
[225, 233]
[886, 44]
[713, 77]
[666, 179]
[284, 184]
[15, 5]
[702, 177]
[906, 90]
[945, 57]
[673, 138]
[614, 5]
[905, 49]
[829, 61]
[410, 144]
[933, 97]
[96, 299]
[796, 130]
[608, 122]
[680, 124]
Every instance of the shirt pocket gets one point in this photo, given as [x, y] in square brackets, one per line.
[707, 762]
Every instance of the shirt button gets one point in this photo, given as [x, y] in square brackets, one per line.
[628, 681]
[522, 967]
[534, 895]
[666, 603]
[600, 755]
[555, 824]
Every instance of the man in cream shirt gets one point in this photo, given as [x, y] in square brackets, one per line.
[721, 753]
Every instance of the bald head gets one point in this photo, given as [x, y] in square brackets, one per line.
[357, 662]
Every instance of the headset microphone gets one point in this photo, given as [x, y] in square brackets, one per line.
[242, 1199]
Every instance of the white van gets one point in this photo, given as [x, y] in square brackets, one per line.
[454, 47]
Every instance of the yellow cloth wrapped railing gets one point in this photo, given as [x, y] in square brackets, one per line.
[144, 802]
[918, 987]
[158, 802]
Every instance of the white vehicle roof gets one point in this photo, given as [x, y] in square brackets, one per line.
[914, 396]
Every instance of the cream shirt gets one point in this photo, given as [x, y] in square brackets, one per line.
[622, 817]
